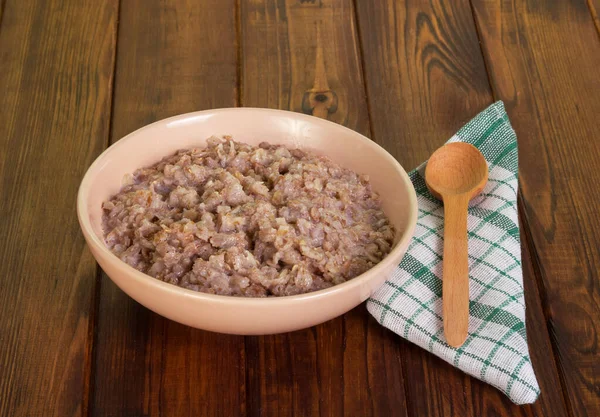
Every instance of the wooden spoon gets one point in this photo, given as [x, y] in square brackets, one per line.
[455, 174]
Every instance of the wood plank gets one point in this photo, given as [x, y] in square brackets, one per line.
[304, 56]
[173, 57]
[56, 60]
[543, 59]
[425, 78]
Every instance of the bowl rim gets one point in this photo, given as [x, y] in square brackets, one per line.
[144, 279]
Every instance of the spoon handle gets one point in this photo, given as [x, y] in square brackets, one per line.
[455, 270]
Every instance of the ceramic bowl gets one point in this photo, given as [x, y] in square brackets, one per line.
[248, 316]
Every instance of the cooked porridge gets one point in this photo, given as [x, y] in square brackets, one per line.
[251, 221]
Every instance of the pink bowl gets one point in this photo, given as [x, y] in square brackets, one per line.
[233, 314]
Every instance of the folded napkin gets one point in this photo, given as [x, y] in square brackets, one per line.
[410, 302]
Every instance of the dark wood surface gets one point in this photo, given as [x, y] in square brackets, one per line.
[543, 62]
[56, 72]
[76, 76]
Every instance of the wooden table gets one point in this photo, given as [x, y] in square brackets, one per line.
[78, 75]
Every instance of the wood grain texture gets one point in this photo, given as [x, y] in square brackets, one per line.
[173, 57]
[56, 60]
[425, 78]
[298, 53]
[303, 56]
[424, 73]
[543, 59]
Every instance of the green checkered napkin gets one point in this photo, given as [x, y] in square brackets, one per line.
[410, 302]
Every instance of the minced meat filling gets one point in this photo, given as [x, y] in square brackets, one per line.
[236, 219]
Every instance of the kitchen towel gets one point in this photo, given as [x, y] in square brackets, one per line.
[410, 301]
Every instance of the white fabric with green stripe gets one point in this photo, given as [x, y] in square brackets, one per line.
[410, 303]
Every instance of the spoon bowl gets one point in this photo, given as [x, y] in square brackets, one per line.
[456, 168]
